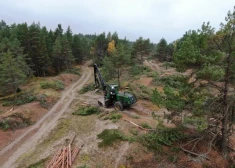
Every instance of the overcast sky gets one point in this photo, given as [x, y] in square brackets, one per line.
[152, 19]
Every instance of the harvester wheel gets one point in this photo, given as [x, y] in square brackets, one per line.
[118, 106]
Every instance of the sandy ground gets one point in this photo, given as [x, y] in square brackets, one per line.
[29, 138]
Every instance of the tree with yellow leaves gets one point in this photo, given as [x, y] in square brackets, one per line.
[111, 47]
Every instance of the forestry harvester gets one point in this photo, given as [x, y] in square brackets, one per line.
[111, 94]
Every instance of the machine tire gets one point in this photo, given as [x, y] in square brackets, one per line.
[118, 106]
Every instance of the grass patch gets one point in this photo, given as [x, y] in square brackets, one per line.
[56, 85]
[21, 98]
[145, 125]
[110, 136]
[39, 164]
[74, 70]
[87, 110]
[87, 88]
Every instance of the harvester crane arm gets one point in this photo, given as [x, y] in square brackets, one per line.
[99, 79]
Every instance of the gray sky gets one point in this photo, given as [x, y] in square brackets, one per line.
[152, 19]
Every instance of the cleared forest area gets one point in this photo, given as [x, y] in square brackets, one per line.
[185, 91]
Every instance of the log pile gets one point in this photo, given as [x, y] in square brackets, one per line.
[64, 157]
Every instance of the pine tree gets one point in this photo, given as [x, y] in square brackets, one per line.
[114, 64]
[115, 38]
[77, 49]
[140, 48]
[12, 72]
[99, 48]
[34, 52]
[62, 54]
[58, 31]
[69, 35]
[162, 50]
[57, 55]
[44, 60]
[66, 52]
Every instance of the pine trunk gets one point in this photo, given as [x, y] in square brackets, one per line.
[226, 107]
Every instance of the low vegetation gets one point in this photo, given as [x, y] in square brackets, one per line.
[21, 98]
[39, 164]
[145, 125]
[199, 123]
[83, 166]
[114, 116]
[139, 69]
[4, 124]
[87, 88]
[15, 121]
[140, 91]
[110, 136]
[87, 110]
[73, 70]
[56, 84]
[163, 136]
[171, 99]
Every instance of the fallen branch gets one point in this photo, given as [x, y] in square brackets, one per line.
[72, 139]
[140, 127]
[8, 111]
[193, 153]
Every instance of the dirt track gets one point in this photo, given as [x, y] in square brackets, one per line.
[35, 133]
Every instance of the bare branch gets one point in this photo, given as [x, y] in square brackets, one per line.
[216, 86]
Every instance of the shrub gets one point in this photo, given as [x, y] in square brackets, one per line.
[164, 136]
[21, 98]
[88, 110]
[199, 122]
[174, 81]
[57, 85]
[156, 97]
[4, 124]
[140, 91]
[114, 116]
[87, 88]
[173, 100]
[74, 70]
[154, 75]
[109, 137]
[138, 69]
[145, 125]
[42, 100]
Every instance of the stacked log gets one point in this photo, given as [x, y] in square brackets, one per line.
[64, 157]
